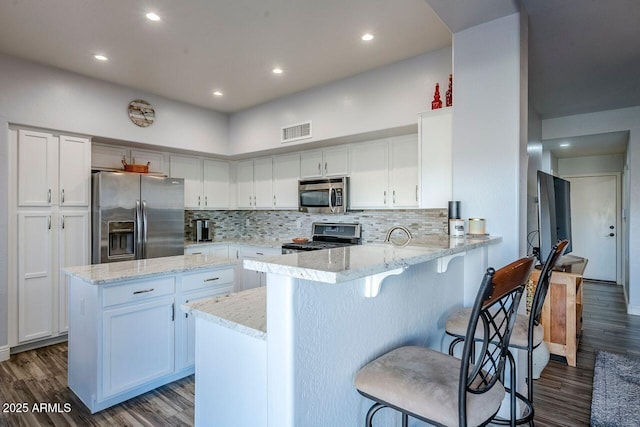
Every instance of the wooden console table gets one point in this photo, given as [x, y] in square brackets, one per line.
[562, 313]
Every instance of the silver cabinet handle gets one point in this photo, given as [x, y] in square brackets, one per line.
[196, 253]
[254, 201]
[250, 204]
[416, 192]
[49, 196]
[62, 221]
[319, 168]
[259, 253]
[144, 291]
[62, 196]
[198, 200]
[212, 279]
[144, 228]
[325, 168]
[173, 312]
[206, 201]
[385, 197]
[49, 223]
[394, 197]
[274, 200]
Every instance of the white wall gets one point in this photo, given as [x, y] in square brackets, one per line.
[591, 164]
[487, 141]
[4, 232]
[626, 119]
[50, 98]
[384, 98]
[534, 149]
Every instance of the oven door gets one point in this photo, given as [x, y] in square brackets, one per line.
[322, 195]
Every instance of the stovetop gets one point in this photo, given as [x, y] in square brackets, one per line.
[329, 236]
[314, 245]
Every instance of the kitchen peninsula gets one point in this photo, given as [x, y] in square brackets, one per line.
[325, 314]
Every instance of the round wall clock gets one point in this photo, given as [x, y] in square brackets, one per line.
[141, 113]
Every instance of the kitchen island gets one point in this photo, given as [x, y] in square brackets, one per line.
[328, 313]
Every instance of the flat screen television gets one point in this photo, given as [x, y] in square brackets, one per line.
[554, 213]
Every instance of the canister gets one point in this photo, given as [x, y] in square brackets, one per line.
[476, 226]
[456, 227]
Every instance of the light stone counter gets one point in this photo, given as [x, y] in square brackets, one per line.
[101, 274]
[355, 262]
[245, 311]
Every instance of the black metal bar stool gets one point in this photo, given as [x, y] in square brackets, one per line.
[527, 334]
[442, 389]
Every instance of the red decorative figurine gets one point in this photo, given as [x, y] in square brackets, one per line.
[449, 95]
[436, 103]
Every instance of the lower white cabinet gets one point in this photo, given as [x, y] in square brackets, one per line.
[129, 337]
[249, 279]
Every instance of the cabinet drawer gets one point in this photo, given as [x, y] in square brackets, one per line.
[138, 291]
[207, 279]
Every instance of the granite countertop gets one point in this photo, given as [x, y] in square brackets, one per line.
[245, 311]
[100, 274]
[355, 262]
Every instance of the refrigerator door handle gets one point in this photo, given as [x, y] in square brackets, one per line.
[138, 233]
[144, 229]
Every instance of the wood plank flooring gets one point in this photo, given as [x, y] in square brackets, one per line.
[562, 394]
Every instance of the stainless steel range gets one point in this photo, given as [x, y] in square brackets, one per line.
[327, 235]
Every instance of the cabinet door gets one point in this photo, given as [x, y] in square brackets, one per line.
[37, 169]
[215, 184]
[75, 171]
[262, 183]
[244, 185]
[286, 172]
[154, 158]
[107, 157]
[190, 169]
[73, 250]
[369, 175]
[336, 161]
[311, 164]
[435, 159]
[403, 171]
[138, 344]
[35, 275]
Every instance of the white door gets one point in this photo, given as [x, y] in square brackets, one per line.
[107, 157]
[244, 184]
[369, 175]
[75, 171]
[154, 158]
[73, 250]
[216, 184]
[403, 171]
[189, 169]
[286, 170]
[336, 161]
[594, 225]
[37, 169]
[262, 183]
[311, 164]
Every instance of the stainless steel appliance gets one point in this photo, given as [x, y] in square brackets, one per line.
[201, 230]
[323, 195]
[136, 216]
[327, 236]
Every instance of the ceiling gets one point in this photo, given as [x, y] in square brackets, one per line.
[588, 145]
[584, 55]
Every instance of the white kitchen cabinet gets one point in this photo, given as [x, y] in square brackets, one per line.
[435, 134]
[216, 250]
[73, 250]
[286, 173]
[249, 279]
[327, 162]
[108, 157]
[189, 169]
[137, 343]
[215, 184]
[404, 171]
[154, 158]
[262, 183]
[369, 175]
[35, 275]
[244, 184]
[53, 170]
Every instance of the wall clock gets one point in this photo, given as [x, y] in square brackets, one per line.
[141, 113]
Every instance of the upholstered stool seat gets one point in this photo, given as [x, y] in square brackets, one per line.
[425, 383]
[457, 325]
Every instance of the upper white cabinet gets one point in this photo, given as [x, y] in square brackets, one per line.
[286, 173]
[110, 157]
[206, 181]
[244, 184]
[53, 170]
[262, 183]
[435, 130]
[327, 162]
[155, 159]
[384, 173]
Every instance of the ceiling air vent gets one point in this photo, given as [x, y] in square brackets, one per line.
[296, 132]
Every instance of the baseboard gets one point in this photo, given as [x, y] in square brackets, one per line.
[5, 353]
[633, 309]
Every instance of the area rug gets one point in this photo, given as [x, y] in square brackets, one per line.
[616, 390]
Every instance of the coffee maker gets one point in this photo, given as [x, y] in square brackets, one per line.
[201, 230]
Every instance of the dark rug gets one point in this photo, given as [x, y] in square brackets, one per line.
[616, 390]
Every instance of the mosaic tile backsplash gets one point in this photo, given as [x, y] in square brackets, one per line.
[285, 225]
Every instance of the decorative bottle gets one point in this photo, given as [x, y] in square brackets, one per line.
[437, 102]
[449, 95]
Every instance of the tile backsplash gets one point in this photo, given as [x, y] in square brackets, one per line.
[284, 225]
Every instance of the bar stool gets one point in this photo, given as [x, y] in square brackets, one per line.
[527, 334]
[439, 388]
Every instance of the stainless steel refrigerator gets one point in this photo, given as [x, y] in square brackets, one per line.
[136, 216]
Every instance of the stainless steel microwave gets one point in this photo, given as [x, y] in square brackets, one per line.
[323, 195]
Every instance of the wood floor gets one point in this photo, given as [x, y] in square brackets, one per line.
[562, 394]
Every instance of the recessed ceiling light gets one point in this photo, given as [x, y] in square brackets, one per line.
[217, 93]
[277, 70]
[152, 16]
[565, 144]
[100, 57]
[367, 37]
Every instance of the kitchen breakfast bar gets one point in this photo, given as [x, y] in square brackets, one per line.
[285, 355]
